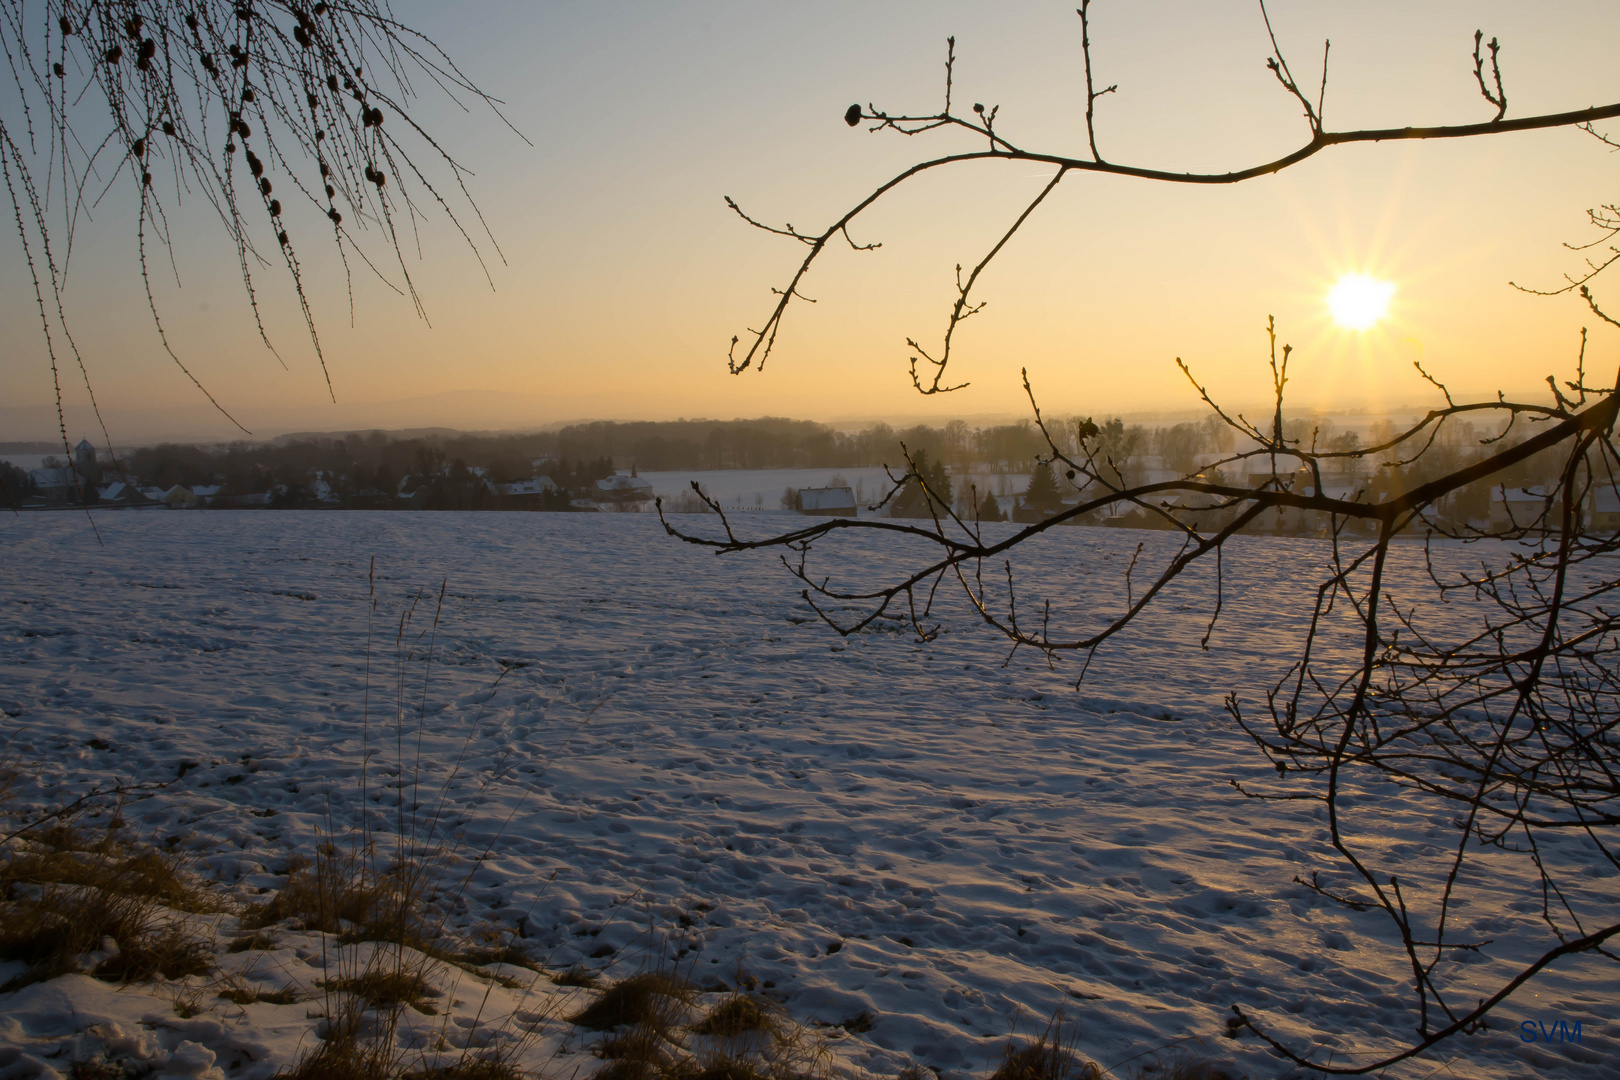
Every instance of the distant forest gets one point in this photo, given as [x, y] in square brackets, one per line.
[560, 470]
[576, 454]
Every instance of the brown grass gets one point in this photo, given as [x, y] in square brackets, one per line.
[345, 1055]
[513, 954]
[339, 893]
[472, 1068]
[389, 986]
[1050, 1056]
[636, 1044]
[60, 856]
[1043, 1062]
[742, 1037]
[171, 952]
[741, 1014]
[1186, 1068]
[258, 939]
[63, 894]
[653, 998]
[578, 975]
[102, 1069]
[242, 995]
[628, 1069]
[723, 1068]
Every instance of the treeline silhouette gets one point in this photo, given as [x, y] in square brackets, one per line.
[777, 443]
[575, 454]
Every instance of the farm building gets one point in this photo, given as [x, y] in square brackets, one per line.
[827, 501]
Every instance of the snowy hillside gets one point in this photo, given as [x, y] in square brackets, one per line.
[662, 754]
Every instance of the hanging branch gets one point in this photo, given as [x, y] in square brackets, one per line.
[224, 101]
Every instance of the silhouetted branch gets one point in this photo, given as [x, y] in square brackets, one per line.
[763, 340]
[1508, 725]
[1499, 99]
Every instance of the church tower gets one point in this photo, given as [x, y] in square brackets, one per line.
[84, 462]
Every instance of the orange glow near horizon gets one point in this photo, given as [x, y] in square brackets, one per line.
[621, 275]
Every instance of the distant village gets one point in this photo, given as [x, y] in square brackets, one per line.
[90, 479]
[985, 474]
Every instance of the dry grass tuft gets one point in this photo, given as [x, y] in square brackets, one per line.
[258, 940]
[651, 998]
[578, 975]
[1186, 1068]
[1051, 1056]
[343, 893]
[725, 1068]
[344, 1054]
[63, 896]
[61, 856]
[54, 928]
[743, 1037]
[636, 1046]
[513, 954]
[387, 987]
[1043, 1062]
[102, 1069]
[472, 1068]
[50, 929]
[170, 952]
[629, 1069]
[243, 995]
[741, 1014]
[338, 892]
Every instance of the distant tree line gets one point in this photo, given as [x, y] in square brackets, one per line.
[776, 443]
[15, 484]
[448, 471]
[455, 471]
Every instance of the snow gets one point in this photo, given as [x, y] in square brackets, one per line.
[642, 746]
[754, 489]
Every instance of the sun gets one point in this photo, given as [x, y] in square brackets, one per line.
[1357, 301]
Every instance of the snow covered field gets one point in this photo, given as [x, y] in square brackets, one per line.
[755, 489]
[642, 735]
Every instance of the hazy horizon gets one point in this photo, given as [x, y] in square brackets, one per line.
[154, 428]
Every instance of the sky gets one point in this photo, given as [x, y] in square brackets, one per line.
[621, 274]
